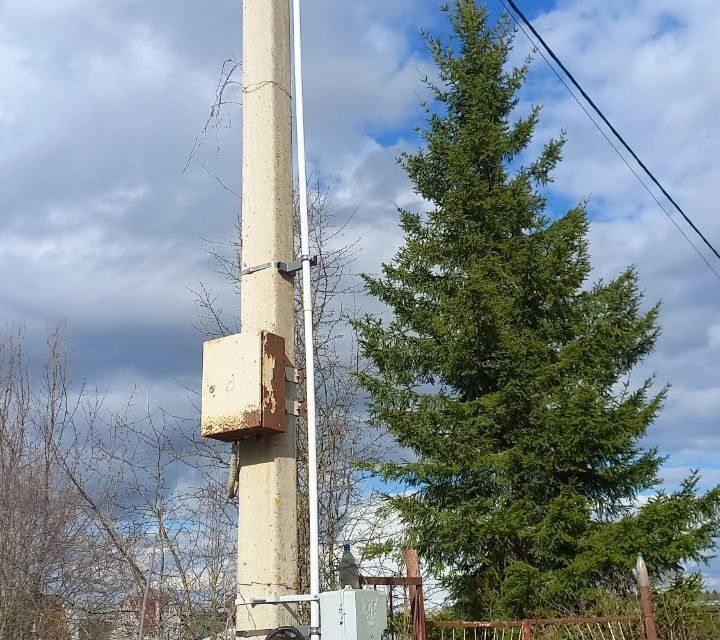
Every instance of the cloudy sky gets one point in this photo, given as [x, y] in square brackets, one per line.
[100, 104]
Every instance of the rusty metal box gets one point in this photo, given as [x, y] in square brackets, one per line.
[243, 386]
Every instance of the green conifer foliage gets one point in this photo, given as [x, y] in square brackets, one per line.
[505, 375]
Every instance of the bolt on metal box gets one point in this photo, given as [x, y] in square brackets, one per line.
[243, 386]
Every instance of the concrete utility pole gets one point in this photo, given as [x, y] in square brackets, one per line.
[267, 484]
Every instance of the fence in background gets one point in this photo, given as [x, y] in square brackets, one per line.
[609, 628]
[407, 616]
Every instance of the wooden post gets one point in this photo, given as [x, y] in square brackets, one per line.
[646, 599]
[417, 598]
[526, 630]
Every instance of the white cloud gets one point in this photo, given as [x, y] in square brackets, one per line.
[646, 64]
[714, 335]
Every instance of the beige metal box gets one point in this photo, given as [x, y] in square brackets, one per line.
[243, 386]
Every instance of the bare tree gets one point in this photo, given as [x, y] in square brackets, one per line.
[165, 515]
[87, 494]
[51, 560]
[341, 433]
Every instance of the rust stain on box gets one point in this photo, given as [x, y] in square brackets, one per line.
[273, 381]
[231, 427]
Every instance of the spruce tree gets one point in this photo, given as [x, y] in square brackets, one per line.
[505, 375]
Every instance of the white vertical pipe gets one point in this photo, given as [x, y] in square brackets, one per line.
[308, 324]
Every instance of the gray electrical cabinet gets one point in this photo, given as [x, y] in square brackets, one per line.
[353, 614]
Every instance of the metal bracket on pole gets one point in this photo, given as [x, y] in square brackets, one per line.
[281, 599]
[286, 268]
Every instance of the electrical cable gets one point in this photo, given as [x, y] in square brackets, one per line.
[614, 131]
[610, 126]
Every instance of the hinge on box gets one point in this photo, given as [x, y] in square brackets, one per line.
[294, 375]
[295, 408]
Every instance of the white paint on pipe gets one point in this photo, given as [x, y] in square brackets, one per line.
[308, 325]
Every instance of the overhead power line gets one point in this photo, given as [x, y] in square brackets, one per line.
[615, 132]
